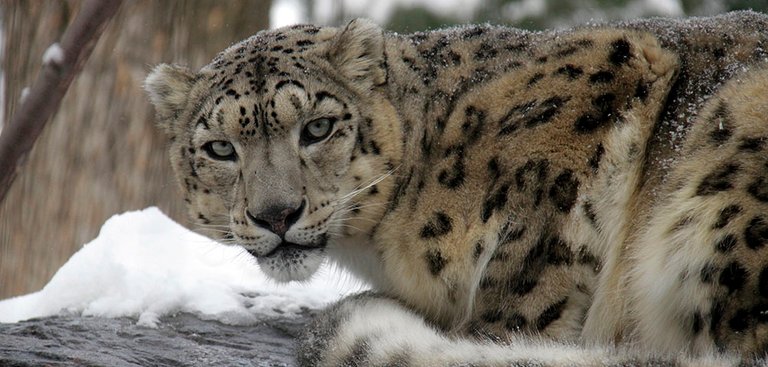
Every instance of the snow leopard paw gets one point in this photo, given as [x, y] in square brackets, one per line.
[366, 329]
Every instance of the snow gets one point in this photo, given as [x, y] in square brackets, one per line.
[667, 7]
[54, 54]
[144, 265]
[516, 11]
[24, 94]
[287, 12]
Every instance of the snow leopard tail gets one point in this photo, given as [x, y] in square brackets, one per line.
[370, 330]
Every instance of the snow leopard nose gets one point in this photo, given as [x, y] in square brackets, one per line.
[277, 218]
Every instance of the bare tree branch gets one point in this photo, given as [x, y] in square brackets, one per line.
[61, 63]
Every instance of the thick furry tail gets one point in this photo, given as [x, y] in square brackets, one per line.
[371, 330]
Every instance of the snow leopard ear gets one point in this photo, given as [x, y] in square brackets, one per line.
[357, 52]
[168, 87]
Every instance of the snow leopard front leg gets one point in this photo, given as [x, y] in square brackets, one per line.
[369, 329]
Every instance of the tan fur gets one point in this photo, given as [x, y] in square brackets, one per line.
[667, 251]
[496, 182]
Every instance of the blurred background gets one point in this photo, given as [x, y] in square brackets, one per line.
[101, 155]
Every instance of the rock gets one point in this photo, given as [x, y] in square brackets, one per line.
[181, 340]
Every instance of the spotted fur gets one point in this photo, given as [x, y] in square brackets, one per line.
[582, 197]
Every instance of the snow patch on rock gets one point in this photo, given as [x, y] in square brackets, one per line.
[144, 265]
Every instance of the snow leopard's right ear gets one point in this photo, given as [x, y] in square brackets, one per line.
[357, 52]
[168, 87]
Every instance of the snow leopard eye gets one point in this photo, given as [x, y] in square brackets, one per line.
[316, 131]
[220, 150]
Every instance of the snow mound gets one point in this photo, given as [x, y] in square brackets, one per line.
[144, 265]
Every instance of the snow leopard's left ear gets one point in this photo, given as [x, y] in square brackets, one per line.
[168, 87]
[357, 52]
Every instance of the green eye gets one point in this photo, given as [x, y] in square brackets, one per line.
[316, 131]
[220, 150]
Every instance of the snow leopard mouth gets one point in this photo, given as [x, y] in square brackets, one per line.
[290, 261]
[288, 250]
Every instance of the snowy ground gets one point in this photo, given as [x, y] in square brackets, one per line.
[144, 265]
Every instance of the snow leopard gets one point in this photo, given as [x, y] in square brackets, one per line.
[590, 196]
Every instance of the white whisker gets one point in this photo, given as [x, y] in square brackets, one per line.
[362, 187]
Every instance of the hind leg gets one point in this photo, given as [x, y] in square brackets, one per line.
[700, 280]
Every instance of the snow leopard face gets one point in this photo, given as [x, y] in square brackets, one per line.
[273, 142]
